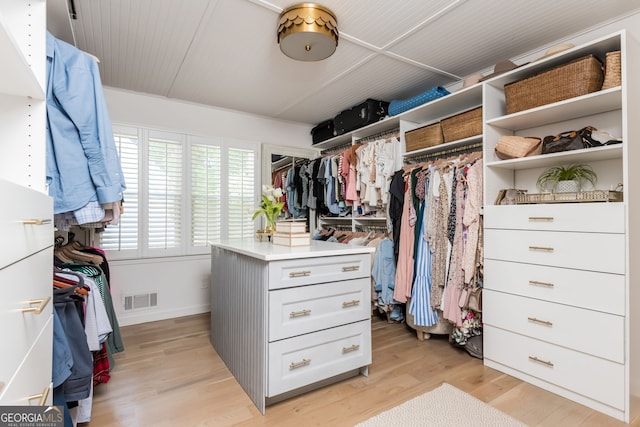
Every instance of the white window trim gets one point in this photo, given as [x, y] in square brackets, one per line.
[186, 248]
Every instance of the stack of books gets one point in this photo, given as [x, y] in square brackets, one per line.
[291, 233]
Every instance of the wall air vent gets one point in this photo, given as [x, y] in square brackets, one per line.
[140, 301]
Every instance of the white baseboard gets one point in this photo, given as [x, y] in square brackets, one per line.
[151, 315]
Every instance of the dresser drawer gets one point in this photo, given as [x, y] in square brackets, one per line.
[24, 281]
[27, 226]
[34, 374]
[586, 289]
[296, 311]
[306, 359]
[592, 332]
[596, 378]
[589, 217]
[584, 251]
[305, 271]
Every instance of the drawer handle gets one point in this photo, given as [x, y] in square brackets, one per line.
[42, 303]
[543, 362]
[540, 249]
[296, 365]
[541, 218]
[299, 273]
[540, 322]
[36, 221]
[543, 284]
[350, 268]
[42, 396]
[350, 348]
[304, 312]
[351, 303]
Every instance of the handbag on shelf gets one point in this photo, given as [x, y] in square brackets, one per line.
[587, 137]
[513, 147]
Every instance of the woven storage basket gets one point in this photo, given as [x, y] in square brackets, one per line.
[579, 77]
[427, 136]
[612, 70]
[513, 147]
[462, 125]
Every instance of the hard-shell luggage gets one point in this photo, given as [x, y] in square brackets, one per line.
[370, 111]
[323, 131]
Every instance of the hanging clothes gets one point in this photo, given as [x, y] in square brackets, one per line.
[82, 166]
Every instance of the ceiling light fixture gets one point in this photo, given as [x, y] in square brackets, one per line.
[307, 32]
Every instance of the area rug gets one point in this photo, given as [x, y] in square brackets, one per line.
[444, 406]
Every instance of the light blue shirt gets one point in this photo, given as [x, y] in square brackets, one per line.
[82, 160]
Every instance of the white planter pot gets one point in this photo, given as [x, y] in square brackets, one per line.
[567, 187]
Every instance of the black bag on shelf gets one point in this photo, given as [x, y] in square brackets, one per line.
[323, 131]
[370, 111]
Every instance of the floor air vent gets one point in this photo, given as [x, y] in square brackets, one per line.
[140, 301]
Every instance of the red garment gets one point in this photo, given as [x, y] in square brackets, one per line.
[101, 366]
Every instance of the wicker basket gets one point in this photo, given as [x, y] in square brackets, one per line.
[576, 78]
[462, 125]
[427, 136]
[612, 70]
[581, 196]
[514, 147]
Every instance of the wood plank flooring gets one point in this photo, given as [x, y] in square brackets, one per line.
[169, 375]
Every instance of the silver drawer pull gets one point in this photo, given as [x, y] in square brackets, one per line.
[543, 284]
[296, 365]
[41, 304]
[540, 249]
[350, 348]
[351, 303]
[304, 312]
[544, 362]
[540, 322]
[351, 268]
[541, 218]
[299, 273]
[36, 221]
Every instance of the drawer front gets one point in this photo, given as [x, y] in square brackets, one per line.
[27, 222]
[24, 281]
[588, 217]
[300, 310]
[592, 332]
[306, 271]
[34, 375]
[586, 289]
[584, 251]
[306, 359]
[596, 378]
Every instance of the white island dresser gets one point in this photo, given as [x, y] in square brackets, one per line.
[286, 320]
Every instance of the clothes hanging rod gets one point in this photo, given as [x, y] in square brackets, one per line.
[442, 153]
[392, 133]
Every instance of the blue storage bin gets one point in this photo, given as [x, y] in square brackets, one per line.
[400, 106]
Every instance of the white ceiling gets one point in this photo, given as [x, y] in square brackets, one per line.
[224, 52]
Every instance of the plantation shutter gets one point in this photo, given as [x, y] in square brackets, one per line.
[241, 193]
[206, 194]
[124, 236]
[165, 194]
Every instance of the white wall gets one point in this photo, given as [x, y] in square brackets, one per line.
[130, 108]
[182, 283]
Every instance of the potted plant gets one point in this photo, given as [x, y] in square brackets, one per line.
[562, 179]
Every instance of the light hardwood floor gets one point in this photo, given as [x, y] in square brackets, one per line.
[169, 375]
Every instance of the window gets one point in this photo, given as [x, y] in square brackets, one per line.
[124, 236]
[197, 190]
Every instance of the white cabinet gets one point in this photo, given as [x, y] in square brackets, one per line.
[26, 219]
[561, 280]
[288, 319]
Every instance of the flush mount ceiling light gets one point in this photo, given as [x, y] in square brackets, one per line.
[307, 32]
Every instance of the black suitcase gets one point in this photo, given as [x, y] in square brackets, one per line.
[370, 111]
[323, 131]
